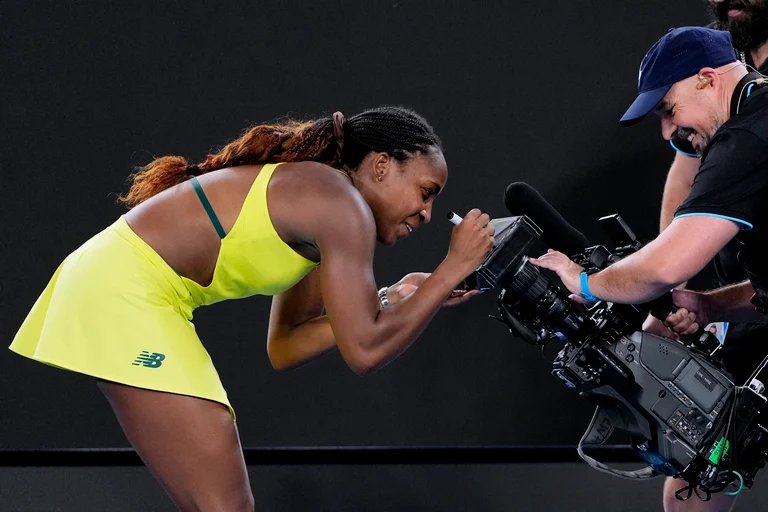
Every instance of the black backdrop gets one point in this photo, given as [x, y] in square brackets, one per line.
[526, 91]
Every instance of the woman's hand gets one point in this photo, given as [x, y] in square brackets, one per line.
[471, 241]
[406, 286]
[568, 271]
[411, 282]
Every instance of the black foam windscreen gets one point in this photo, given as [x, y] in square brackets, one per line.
[522, 199]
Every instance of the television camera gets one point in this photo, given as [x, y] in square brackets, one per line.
[684, 415]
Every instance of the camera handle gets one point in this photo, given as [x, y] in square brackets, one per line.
[662, 306]
[613, 412]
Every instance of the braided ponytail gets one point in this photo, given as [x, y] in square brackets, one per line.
[397, 131]
[333, 141]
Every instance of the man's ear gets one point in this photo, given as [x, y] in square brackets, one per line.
[705, 77]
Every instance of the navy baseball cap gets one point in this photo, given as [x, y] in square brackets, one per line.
[680, 54]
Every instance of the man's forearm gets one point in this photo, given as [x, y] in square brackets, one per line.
[732, 304]
[677, 187]
[629, 281]
[675, 192]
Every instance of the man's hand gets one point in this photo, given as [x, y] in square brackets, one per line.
[692, 314]
[655, 326]
[411, 282]
[568, 271]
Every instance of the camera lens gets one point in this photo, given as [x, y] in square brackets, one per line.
[534, 292]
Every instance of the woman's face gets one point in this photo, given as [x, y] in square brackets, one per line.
[400, 194]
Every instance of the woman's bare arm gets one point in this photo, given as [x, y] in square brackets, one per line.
[331, 215]
[298, 330]
[367, 336]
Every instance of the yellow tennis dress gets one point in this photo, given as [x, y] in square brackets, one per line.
[116, 310]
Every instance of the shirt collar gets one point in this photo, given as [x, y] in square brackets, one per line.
[737, 92]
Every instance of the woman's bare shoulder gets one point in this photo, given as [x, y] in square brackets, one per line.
[316, 181]
[319, 195]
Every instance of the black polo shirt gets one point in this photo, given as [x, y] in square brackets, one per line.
[732, 182]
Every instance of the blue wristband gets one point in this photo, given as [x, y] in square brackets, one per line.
[585, 289]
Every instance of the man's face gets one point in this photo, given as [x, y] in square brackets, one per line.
[746, 20]
[692, 113]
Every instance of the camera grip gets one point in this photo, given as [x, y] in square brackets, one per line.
[661, 307]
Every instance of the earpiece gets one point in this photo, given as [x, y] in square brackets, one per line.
[703, 81]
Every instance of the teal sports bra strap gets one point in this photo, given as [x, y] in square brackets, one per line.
[208, 207]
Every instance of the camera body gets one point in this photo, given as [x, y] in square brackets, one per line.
[684, 414]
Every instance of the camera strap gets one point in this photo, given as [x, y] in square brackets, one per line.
[604, 421]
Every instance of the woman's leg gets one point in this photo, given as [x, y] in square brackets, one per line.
[191, 445]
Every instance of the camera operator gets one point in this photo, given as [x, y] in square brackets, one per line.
[747, 22]
[693, 79]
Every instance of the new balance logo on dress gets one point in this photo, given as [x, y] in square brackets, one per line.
[152, 360]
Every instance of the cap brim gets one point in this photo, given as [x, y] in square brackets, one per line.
[643, 104]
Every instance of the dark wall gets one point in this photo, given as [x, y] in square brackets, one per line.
[518, 91]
